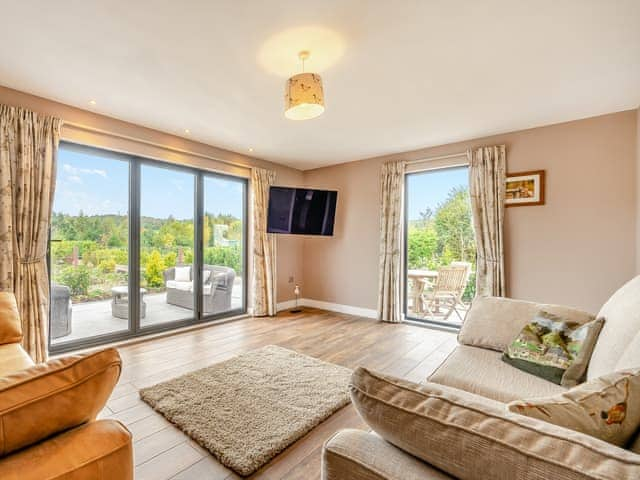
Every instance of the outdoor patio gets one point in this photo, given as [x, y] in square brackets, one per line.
[94, 318]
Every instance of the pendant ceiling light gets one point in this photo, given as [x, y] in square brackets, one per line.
[304, 98]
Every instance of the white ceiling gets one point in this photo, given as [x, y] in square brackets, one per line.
[398, 75]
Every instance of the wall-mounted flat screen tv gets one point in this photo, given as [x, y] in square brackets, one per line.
[301, 211]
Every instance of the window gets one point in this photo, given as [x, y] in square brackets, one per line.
[130, 254]
[440, 250]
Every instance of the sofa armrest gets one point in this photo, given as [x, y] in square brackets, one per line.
[95, 450]
[358, 455]
[470, 437]
[10, 327]
[493, 322]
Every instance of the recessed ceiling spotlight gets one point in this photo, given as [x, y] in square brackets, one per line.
[92, 102]
[250, 149]
[187, 131]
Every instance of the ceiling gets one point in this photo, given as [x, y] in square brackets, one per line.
[397, 75]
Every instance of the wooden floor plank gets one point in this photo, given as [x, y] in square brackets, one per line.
[163, 452]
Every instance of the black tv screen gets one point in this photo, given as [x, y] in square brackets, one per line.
[301, 211]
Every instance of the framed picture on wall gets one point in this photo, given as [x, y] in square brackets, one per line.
[525, 188]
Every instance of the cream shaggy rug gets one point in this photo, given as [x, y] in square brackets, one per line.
[248, 409]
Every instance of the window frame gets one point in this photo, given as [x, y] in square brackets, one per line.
[134, 327]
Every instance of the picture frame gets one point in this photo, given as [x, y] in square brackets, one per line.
[525, 188]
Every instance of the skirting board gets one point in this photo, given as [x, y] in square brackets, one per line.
[332, 307]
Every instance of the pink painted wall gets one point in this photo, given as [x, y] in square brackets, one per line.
[577, 249]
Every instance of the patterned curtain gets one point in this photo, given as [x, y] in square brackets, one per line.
[28, 151]
[389, 280]
[264, 246]
[487, 177]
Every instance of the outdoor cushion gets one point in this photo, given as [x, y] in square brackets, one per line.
[470, 437]
[184, 286]
[554, 349]
[493, 322]
[55, 396]
[482, 371]
[183, 274]
[607, 408]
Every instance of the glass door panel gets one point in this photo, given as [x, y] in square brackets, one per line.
[223, 228]
[167, 212]
[89, 251]
[440, 246]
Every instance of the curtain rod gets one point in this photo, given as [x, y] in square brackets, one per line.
[87, 128]
[440, 157]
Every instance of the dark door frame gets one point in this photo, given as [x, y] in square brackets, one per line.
[135, 329]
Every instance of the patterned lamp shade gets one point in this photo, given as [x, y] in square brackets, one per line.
[304, 98]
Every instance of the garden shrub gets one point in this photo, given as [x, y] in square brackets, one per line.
[77, 279]
[154, 267]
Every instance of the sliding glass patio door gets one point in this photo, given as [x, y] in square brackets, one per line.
[224, 244]
[89, 245]
[139, 246]
[440, 248]
[167, 244]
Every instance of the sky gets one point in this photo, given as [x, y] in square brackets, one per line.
[428, 189]
[98, 185]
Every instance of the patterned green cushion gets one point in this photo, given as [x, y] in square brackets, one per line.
[554, 349]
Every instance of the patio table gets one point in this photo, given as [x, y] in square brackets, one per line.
[419, 278]
[120, 302]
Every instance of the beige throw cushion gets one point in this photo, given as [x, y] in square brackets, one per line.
[607, 407]
[493, 322]
[471, 437]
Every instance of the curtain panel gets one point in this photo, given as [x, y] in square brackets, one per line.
[28, 153]
[390, 272]
[487, 179]
[264, 245]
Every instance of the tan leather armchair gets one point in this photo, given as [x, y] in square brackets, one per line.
[48, 426]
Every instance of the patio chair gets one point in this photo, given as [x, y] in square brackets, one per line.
[60, 311]
[447, 290]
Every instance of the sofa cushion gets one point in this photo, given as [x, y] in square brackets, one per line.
[631, 356]
[51, 397]
[493, 322]
[470, 437]
[483, 372]
[357, 455]
[607, 408]
[622, 324]
[10, 328]
[13, 358]
[554, 349]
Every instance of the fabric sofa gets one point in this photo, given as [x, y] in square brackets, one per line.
[216, 289]
[456, 425]
[48, 426]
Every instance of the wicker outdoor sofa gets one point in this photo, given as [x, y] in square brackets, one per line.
[216, 289]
